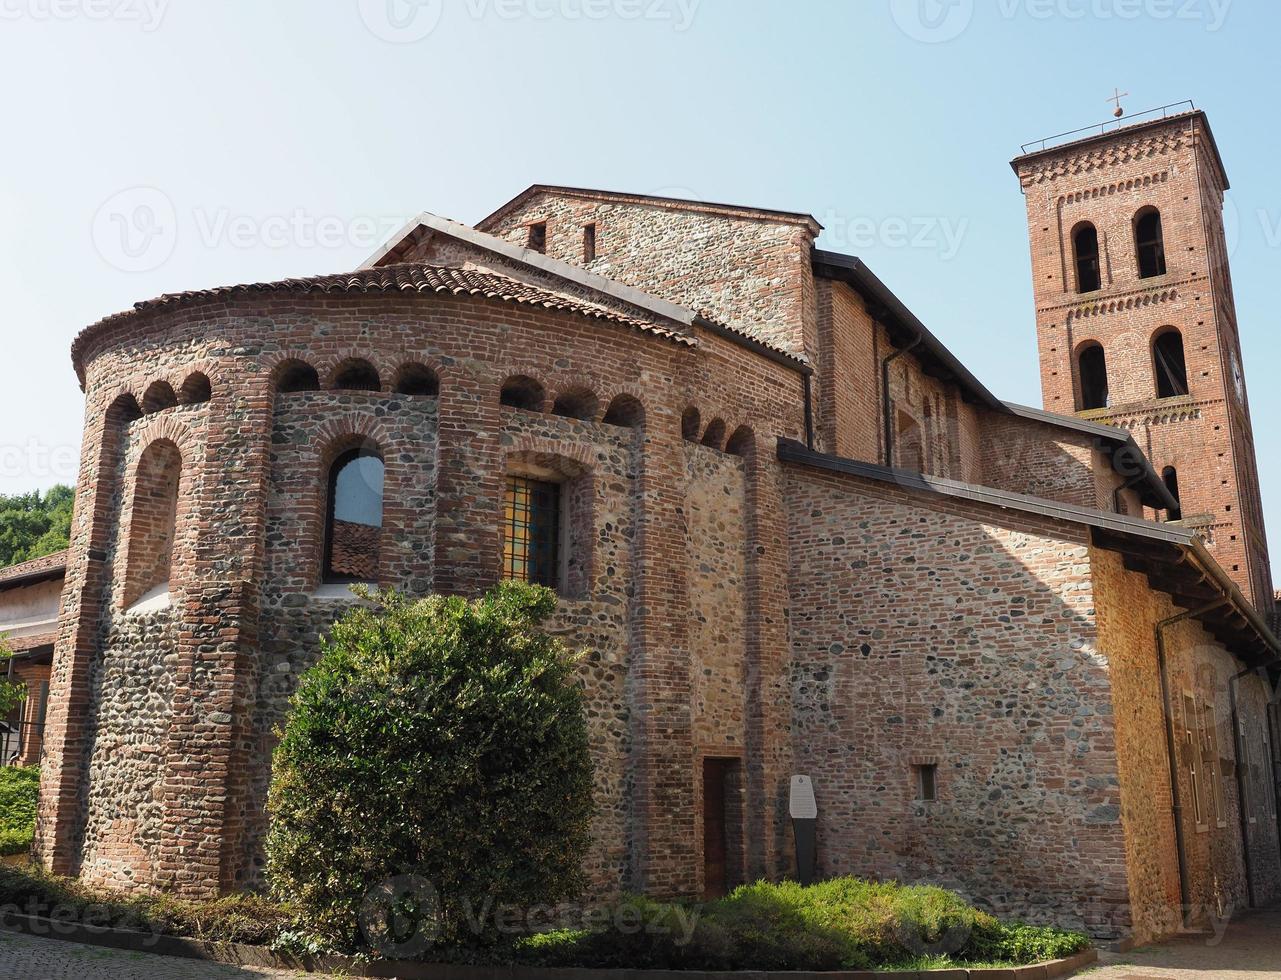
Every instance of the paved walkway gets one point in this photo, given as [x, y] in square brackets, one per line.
[1250, 950]
[29, 958]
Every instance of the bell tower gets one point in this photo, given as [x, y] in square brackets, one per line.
[1135, 318]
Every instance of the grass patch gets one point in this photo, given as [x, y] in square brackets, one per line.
[843, 924]
[236, 918]
[18, 789]
[846, 923]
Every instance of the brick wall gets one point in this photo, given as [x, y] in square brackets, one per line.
[1205, 434]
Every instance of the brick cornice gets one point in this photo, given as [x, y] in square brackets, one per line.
[1116, 187]
[1129, 299]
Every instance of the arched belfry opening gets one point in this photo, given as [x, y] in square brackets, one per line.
[1169, 364]
[1092, 370]
[1085, 250]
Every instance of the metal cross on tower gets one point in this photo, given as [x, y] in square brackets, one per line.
[1117, 96]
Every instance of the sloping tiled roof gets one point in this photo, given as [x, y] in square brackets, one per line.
[49, 566]
[404, 277]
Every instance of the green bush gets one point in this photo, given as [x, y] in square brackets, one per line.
[434, 767]
[18, 788]
[842, 924]
[236, 918]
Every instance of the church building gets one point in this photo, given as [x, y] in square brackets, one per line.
[1021, 652]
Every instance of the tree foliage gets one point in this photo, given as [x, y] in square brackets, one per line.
[34, 524]
[434, 770]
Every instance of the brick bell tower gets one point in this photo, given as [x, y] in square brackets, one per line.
[1135, 317]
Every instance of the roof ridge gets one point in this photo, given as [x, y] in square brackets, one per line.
[413, 277]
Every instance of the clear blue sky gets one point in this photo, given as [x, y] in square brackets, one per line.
[252, 141]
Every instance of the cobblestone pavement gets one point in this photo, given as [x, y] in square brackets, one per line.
[30, 958]
[1250, 950]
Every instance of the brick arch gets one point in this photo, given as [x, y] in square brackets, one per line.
[527, 447]
[524, 389]
[336, 437]
[573, 467]
[577, 400]
[171, 427]
[160, 395]
[359, 369]
[153, 531]
[714, 434]
[624, 408]
[415, 377]
[329, 367]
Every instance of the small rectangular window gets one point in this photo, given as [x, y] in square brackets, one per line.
[538, 236]
[1213, 769]
[927, 781]
[531, 531]
[589, 242]
[1192, 749]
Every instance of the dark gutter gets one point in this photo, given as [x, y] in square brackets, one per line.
[754, 345]
[902, 323]
[1126, 456]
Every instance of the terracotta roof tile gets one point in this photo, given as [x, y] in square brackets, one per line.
[45, 567]
[404, 277]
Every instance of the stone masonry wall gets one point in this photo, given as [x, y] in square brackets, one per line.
[930, 632]
[245, 602]
[750, 271]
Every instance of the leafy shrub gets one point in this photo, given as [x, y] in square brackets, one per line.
[434, 766]
[842, 924]
[1018, 943]
[18, 788]
[236, 918]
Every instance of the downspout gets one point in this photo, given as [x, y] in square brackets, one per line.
[1244, 817]
[1176, 803]
[1129, 484]
[885, 398]
[809, 415]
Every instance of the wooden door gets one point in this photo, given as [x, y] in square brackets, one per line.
[714, 838]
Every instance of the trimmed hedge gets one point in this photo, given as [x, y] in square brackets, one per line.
[434, 768]
[19, 786]
[842, 924]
